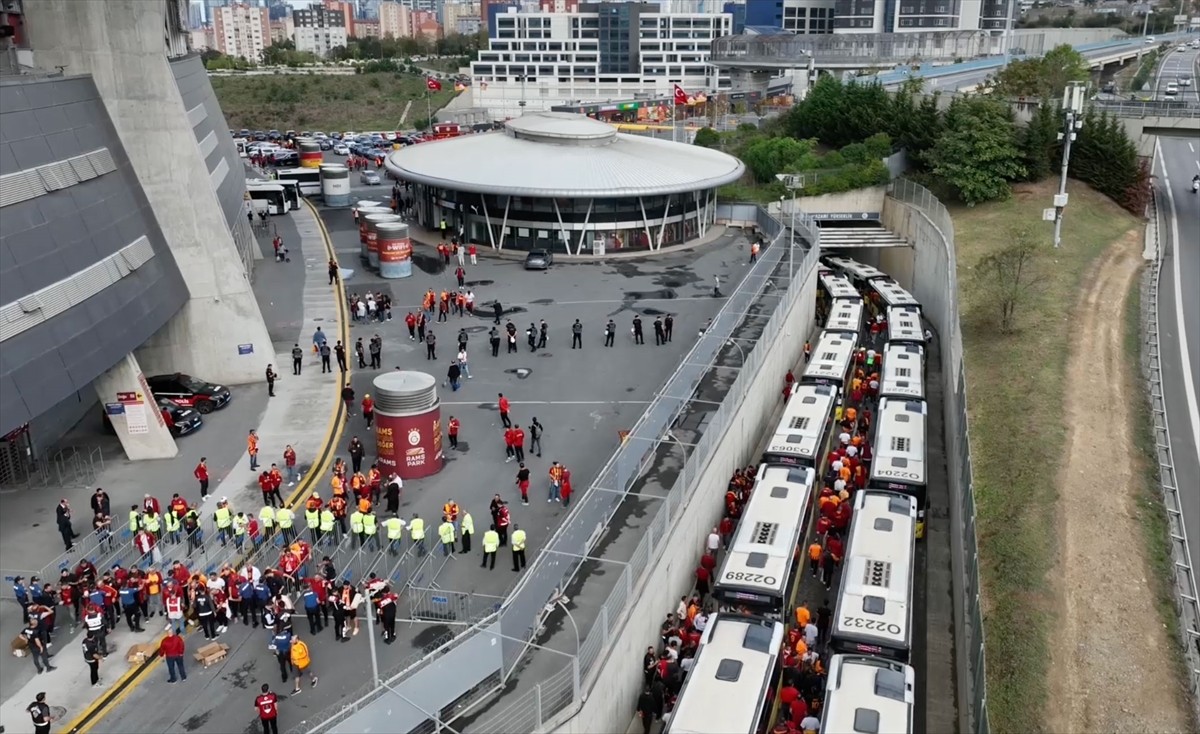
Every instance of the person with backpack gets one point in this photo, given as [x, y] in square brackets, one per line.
[302, 662]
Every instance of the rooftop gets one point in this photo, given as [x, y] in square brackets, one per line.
[561, 154]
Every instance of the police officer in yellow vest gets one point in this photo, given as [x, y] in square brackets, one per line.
[312, 520]
[174, 525]
[370, 530]
[240, 523]
[395, 533]
[328, 522]
[468, 529]
[491, 542]
[416, 527]
[518, 548]
[135, 519]
[446, 535]
[356, 526]
[284, 519]
[224, 520]
[153, 524]
[266, 518]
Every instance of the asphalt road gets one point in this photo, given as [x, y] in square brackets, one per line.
[1178, 65]
[1179, 321]
[582, 397]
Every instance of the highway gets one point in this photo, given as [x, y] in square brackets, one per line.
[1177, 161]
[1175, 68]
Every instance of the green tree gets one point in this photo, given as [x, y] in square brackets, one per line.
[1104, 156]
[706, 137]
[1039, 141]
[766, 157]
[838, 114]
[1009, 276]
[977, 154]
[1045, 77]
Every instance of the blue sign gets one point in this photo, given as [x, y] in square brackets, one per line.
[245, 349]
[439, 599]
[114, 408]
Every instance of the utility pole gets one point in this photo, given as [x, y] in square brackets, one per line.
[1072, 108]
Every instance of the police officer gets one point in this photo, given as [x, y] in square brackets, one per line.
[668, 326]
[395, 533]
[577, 335]
[297, 359]
[416, 529]
[40, 713]
[312, 609]
[494, 341]
[610, 333]
[328, 522]
[637, 330]
[370, 530]
[491, 542]
[518, 548]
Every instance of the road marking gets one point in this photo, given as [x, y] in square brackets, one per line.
[1193, 150]
[1189, 386]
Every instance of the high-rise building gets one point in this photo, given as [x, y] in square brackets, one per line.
[910, 16]
[424, 23]
[394, 20]
[453, 12]
[319, 29]
[242, 31]
[366, 29]
[346, 9]
[606, 50]
[558, 6]
[282, 30]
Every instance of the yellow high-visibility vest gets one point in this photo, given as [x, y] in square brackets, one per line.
[446, 532]
[356, 522]
[395, 528]
[239, 524]
[491, 541]
[327, 520]
[417, 527]
[224, 517]
[267, 516]
[312, 518]
[518, 540]
[151, 523]
[284, 517]
[369, 526]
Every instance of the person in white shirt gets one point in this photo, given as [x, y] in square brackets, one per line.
[361, 309]
[844, 438]
[471, 299]
[810, 723]
[714, 541]
[839, 485]
[686, 664]
[681, 610]
[700, 622]
[462, 363]
[673, 649]
[810, 635]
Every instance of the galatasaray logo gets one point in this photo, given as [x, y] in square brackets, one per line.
[414, 437]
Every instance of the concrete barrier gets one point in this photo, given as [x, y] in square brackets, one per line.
[615, 683]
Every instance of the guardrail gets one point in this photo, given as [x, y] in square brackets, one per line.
[1147, 109]
[1186, 605]
[436, 690]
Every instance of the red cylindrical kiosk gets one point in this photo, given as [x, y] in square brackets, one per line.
[363, 213]
[408, 424]
[373, 222]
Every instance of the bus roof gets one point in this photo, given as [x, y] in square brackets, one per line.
[865, 694]
[874, 605]
[903, 372]
[904, 324]
[845, 315]
[831, 358]
[838, 286]
[855, 269]
[893, 295]
[900, 442]
[728, 685]
[806, 419]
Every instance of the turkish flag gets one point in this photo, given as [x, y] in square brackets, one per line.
[681, 97]
[433, 84]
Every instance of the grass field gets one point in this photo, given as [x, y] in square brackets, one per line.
[1017, 431]
[318, 102]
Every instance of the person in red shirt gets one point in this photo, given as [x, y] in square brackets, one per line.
[799, 709]
[150, 505]
[726, 531]
[518, 442]
[410, 320]
[834, 546]
[368, 409]
[509, 451]
[461, 276]
[289, 464]
[201, 474]
[564, 490]
[172, 649]
[702, 577]
[709, 561]
[503, 405]
[264, 484]
[473, 252]
[452, 432]
[178, 506]
[268, 710]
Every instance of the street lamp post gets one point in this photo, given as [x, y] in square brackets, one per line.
[1072, 108]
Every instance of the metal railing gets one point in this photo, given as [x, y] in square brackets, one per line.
[69, 466]
[1186, 605]
[1147, 109]
[860, 49]
[937, 290]
[522, 617]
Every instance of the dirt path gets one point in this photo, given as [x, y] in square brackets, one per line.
[1110, 668]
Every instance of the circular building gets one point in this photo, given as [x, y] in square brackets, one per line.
[566, 183]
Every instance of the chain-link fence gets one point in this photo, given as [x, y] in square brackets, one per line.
[447, 691]
[935, 285]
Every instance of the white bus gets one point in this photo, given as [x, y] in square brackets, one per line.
[845, 315]
[904, 325]
[832, 359]
[758, 568]
[309, 179]
[859, 273]
[802, 436]
[834, 286]
[865, 694]
[903, 375]
[269, 196]
[899, 448]
[726, 690]
[874, 606]
[891, 294]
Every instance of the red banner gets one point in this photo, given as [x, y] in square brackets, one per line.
[433, 84]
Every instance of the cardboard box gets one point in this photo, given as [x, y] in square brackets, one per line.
[138, 654]
[211, 653]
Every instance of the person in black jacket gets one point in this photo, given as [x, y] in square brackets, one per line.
[646, 709]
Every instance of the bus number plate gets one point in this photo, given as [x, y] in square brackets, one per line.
[871, 624]
[754, 578]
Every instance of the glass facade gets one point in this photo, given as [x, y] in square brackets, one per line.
[568, 225]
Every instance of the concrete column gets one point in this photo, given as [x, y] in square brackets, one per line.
[121, 44]
[138, 421]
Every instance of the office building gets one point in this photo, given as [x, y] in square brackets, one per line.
[319, 29]
[607, 50]
[394, 20]
[241, 31]
[911, 16]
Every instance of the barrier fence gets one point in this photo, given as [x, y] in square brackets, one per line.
[1186, 605]
[936, 287]
[434, 692]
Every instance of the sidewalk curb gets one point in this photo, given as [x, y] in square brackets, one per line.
[125, 685]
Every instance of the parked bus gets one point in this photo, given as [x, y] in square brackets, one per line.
[802, 436]
[904, 325]
[891, 294]
[864, 694]
[845, 316]
[309, 179]
[899, 445]
[726, 690]
[832, 359]
[832, 286]
[860, 275]
[903, 375]
[269, 196]
[758, 568]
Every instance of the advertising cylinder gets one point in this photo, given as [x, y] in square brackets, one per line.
[310, 154]
[363, 213]
[335, 185]
[408, 424]
[395, 250]
[373, 222]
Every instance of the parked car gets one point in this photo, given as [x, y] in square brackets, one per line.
[539, 260]
[340, 149]
[190, 392]
[370, 178]
[326, 144]
[180, 421]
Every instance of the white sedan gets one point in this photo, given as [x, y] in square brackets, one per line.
[340, 149]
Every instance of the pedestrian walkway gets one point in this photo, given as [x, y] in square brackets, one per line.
[304, 413]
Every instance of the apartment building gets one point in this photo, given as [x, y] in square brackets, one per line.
[319, 29]
[455, 12]
[606, 50]
[282, 30]
[394, 20]
[424, 23]
[241, 30]
[911, 16]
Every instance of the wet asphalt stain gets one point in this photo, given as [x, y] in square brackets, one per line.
[487, 312]
[542, 302]
[477, 283]
[192, 723]
[664, 294]
[430, 264]
[430, 638]
[475, 329]
[520, 372]
[463, 447]
[242, 676]
[652, 312]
